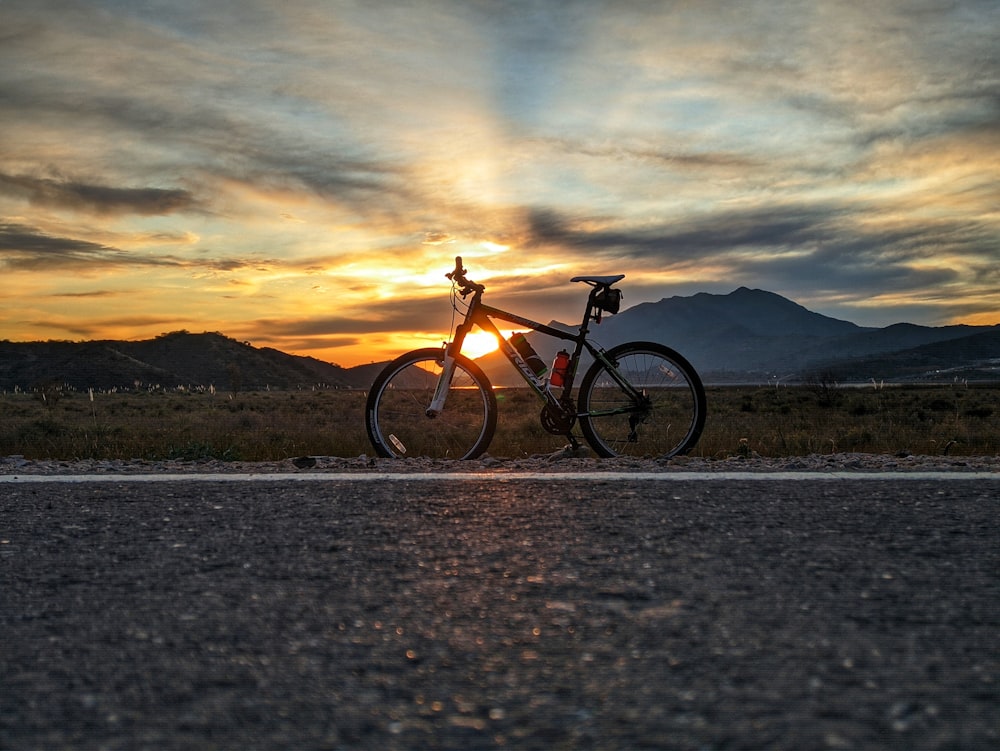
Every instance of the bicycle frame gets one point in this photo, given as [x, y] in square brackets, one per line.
[480, 314]
[635, 397]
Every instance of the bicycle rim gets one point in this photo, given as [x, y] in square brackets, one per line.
[396, 418]
[666, 420]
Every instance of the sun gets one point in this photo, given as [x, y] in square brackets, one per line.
[479, 343]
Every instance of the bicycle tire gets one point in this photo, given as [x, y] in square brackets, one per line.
[668, 422]
[395, 411]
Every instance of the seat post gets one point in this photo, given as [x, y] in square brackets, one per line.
[588, 313]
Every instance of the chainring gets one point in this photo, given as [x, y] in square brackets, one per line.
[558, 423]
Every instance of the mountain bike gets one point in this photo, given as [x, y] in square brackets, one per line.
[637, 398]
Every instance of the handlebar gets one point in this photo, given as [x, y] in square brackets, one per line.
[458, 277]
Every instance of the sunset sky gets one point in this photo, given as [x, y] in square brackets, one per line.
[301, 174]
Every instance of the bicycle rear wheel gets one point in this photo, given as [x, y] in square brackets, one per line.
[395, 413]
[666, 419]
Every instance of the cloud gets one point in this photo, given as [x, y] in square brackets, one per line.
[99, 328]
[797, 249]
[24, 248]
[712, 234]
[99, 199]
[401, 314]
[92, 293]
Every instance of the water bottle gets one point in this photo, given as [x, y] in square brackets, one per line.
[523, 347]
[560, 368]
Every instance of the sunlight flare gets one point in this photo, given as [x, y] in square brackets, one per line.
[479, 343]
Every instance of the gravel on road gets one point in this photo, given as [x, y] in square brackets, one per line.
[490, 613]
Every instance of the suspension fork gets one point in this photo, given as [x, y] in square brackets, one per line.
[451, 351]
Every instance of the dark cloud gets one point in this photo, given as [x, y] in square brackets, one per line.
[98, 328]
[379, 317]
[99, 199]
[851, 272]
[798, 249]
[24, 248]
[674, 158]
[823, 229]
[711, 234]
[224, 264]
[218, 141]
[92, 293]
[137, 321]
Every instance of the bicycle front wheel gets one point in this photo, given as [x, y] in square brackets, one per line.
[661, 412]
[396, 410]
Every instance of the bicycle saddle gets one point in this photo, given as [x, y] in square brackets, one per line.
[605, 281]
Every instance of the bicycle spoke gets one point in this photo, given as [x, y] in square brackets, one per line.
[397, 420]
[660, 413]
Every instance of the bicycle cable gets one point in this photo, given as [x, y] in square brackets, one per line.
[454, 308]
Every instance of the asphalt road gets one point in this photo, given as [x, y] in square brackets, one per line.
[833, 614]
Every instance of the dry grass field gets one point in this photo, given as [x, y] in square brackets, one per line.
[267, 426]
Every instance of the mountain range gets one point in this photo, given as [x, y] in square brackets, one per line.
[755, 336]
[757, 333]
[746, 336]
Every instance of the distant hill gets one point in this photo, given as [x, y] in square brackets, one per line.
[745, 336]
[170, 360]
[973, 358]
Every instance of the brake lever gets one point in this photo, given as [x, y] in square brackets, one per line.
[458, 274]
